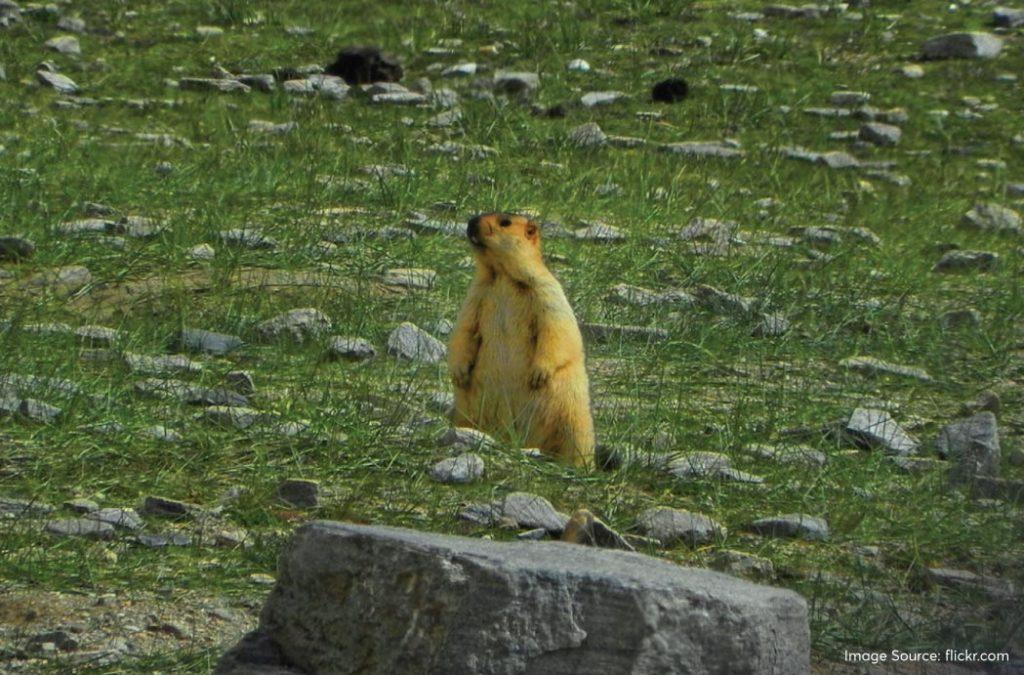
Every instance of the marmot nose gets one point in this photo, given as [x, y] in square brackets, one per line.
[474, 227]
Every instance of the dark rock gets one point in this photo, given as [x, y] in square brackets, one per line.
[300, 492]
[169, 508]
[255, 654]
[23, 508]
[61, 83]
[16, 248]
[508, 82]
[962, 46]
[672, 90]
[961, 261]
[793, 525]
[363, 65]
[1008, 17]
[409, 341]
[529, 510]
[542, 607]
[973, 447]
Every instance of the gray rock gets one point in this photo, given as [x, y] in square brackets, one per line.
[158, 365]
[272, 128]
[791, 12]
[792, 525]
[247, 238]
[1008, 17]
[23, 508]
[739, 563]
[400, 98]
[351, 348]
[259, 81]
[300, 492]
[962, 46]
[38, 411]
[542, 607]
[871, 427]
[721, 302]
[164, 507]
[464, 438]
[65, 44]
[61, 83]
[600, 232]
[785, 455]
[952, 578]
[208, 342]
[587, 135]
[872, 366]
[992, 218]
[298, 325]
[509, 82]
[409, 341]
[16, 248]
[487, 515]
[97, 336]
[972, 445]
[877, 133]
[963, 261]
[849, 97]
[80, 527]
[236, 417]
[669, 526]
[703, 149]
[126, 519]
[409, 277]
[241, 381]
[529, 510]
[81, 505]
[213, 84]
[161, 433]
[71, 24]
[833, 160]
[464, 468]
[771, 324]
[596, 98]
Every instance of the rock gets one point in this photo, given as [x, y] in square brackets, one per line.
[604, 332]
[998, 488]
[236, 417]
[10, 13]
[703, 149]
[169, 508]
[300, 492]
[509, 82]
[410, 278]
[739, 563]
[202, 252]
[208, 342]
[962, 46]
[16, 248]
[464, 438]
[529, 510]
[409, 341]
[596, 98]
[992, 218]
[212, 84]
[445, 119]
[601, 232]
[298, 325]
[158, 365]
[962, 261]
[721, 302]
[241, 381]
[1007, 17]
[872, 366]
[672, 90]
[669, 526]
[793, 525]
[587, 136]
[586, 529]
[464, 468]
[65, 44]
[23, 508]
[460, 70]
[771, 324]
[972, 445]
[952, 578]
[248, 238]
[80, 527]
[796, 455]
[790, 12]
[516, 607]
[61, 640]
[71, 24]
[843, 98]
[276, 129]
[871, 427]
[578, 66]
[36, 410]
[911, 71]
[363, 65]
[350, 349]
[400, 98]
[81, 505]
[126, 519]
[61, 83]
[487, 515]
[209, 31]
[877, 133]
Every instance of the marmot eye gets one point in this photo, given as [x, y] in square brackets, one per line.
[505, 222]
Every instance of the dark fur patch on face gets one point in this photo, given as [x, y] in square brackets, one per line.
[505, 222]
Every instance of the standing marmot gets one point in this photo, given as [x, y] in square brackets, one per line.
[516, 354]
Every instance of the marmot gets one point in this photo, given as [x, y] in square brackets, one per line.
[516, 354]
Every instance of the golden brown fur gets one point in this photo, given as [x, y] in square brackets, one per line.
[516, 354]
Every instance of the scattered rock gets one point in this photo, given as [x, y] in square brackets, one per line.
[80, 527]
[529, 511]
[602, 611]
[351, 348]
[962, 46]
[872, 366]
[61, 83]
[877, 133]
[464, 468]
[871, 427]
[16, 248]
[703, 149]
[509, 82]
[739, 563]
[962, 261]
[671, 90]
[598, 98]
[1007, 17]
[960, 318]
[164, 507]
[208, 342]
[409, 341]
[126, 519]
[601, 232]
[793, 525]
[213, 84]
[300, 492]
[669, 526]
[298, 325]
[973, 447]
[23, 508]
[65, 44]
[992, 218]
[158, 365]
[587, 135]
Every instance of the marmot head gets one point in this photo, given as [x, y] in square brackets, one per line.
[504, 237]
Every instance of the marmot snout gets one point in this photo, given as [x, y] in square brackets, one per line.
[516, 354]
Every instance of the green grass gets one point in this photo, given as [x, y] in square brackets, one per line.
[710, 384]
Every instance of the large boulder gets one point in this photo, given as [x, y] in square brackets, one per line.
[355, 598]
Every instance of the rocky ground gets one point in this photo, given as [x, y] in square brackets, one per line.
[230, 259]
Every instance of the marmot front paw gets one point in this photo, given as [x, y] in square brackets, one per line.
[461, 375]
[539, 376]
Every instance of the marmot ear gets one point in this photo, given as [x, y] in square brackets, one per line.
[532, 231]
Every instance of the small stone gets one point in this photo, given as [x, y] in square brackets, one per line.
[793, 525]
[202, 252]
[703, 149]
[97, 336]
[212, 84]
[962, 46]
[873, 366]
[208, 342]
[578, 66]
[529, 511]
[300, 492]
[487, 515]
[957, 319]
[410, 278]
[973, 446]
[600, 232]
[157, 365]
[587, 135]
[962, 261]
[742, 564]
[241, 381]
[464, 438]
[1007, 17]
[351, 349]
[298, 325]
[844, 98]
[248, 238]
[61, 83]
[459, 70]
[164, 540]
[16, 248]
[872, 427]
[508, 82]
[169, 508]
[877, 133]
[237, 417]
[80, 505]
[600, 98]
[209, 31]
[38, 411]
[65, 44]
[23, 508]
[409, 341]
[992, 218]
[464, 468]
[796, 455]
[126, 519]
[669, 526]
[771, 325]
[80, 527]
[276, 129]
[911, 71]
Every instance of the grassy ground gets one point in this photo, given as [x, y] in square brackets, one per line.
[711, 385]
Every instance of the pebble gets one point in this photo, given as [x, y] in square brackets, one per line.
[873, 427]
[464, 468]
[587, 135]
[80, 527]
[16, 248]
[793, 525]
[531, 511]
[208, 342]
[61, 83]
[963, 261]
[601, 98]
[300, 492]
[669, 526]
[877, 133]
[126, 519]
[65, 44]
[298, 325]
[873, 366]
[988, 217]
[351, 348]
[165, 507]
[409, 341]
[464, 438]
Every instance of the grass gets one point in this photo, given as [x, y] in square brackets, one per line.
[710, 385]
